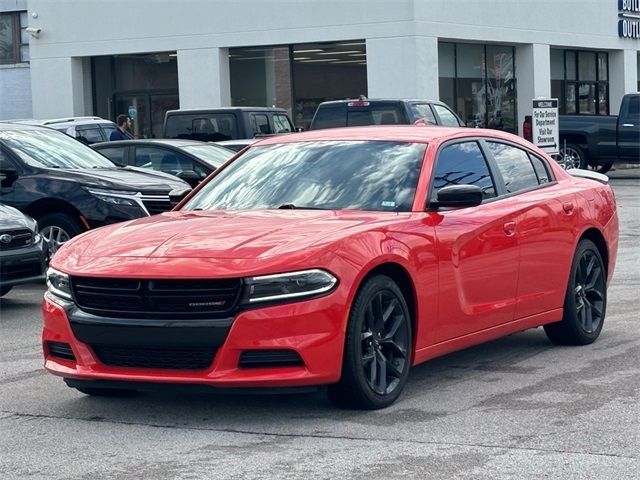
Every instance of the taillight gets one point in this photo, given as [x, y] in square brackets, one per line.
[527, 128]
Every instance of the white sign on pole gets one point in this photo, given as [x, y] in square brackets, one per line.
[545, 125]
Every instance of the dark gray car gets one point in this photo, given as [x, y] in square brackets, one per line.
[22, 251]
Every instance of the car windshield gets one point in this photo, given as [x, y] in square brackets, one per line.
[212, 154]
[47, 148]
[332, 175]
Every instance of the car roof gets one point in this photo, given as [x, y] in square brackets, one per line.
[226, 109]
[22, 126]
[381, 100]
[398, 133]
[170, 142]
[64, 121]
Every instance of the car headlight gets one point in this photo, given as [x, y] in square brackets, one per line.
[286, 286]
[59, 284]
[117, 197]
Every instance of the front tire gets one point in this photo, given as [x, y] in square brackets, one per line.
[58, 228]
[585, 301]
[378, 346]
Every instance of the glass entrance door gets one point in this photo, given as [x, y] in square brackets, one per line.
[146, 111]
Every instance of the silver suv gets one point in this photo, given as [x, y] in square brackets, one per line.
[86, 129]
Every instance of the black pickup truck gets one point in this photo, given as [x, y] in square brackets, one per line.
[227, 123]
[369, 111]
[596, 141]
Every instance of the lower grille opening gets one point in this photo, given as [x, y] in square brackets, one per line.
[269, 358]
[61, 350]
[165, 358]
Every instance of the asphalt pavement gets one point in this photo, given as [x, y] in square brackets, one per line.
[517, 407]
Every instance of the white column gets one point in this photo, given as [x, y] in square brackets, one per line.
[623, 76]
[58, 87]
[203, 78]
[533, 77]
[403, 67]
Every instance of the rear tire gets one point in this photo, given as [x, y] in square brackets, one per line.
[5, 289]
[378, 347]
[585, 301]
[58, 228]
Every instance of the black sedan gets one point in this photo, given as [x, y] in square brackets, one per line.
[22, 251]
[189, 160]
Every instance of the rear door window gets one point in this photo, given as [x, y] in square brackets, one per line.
[447, 117]
[205, 127]
[89, 134]
[423, 111]
[281, 124]
[260, 124]
[515, 167]
[115, 154]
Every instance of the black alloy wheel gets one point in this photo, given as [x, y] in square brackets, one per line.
[378, 347]
[585, 301]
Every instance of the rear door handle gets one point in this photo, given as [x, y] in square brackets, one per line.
[567, 207]
[509, 228]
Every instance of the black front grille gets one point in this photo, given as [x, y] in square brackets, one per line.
[165, 358]
[61, 350]
[20, 268]
[269, 358]
[128, 298]
[156, 204]
[11, 239]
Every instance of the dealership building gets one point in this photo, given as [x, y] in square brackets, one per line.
[487, 59]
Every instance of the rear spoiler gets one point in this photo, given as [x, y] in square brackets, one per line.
[598, 177]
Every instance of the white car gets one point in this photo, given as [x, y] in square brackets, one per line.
[86, 129]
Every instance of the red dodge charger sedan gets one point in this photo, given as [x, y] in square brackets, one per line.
[336, 257]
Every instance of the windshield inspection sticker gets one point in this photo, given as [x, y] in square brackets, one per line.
[389, 204]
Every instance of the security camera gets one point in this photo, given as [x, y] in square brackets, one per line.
[33, 31]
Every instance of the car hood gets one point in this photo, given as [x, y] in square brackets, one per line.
[120, 179]
[11, 219]
[216, 236]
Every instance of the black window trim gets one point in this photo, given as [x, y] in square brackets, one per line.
[497, 174]
[490, 165]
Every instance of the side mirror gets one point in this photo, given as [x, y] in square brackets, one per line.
[177, 195]
[8, 174]
[459, 196]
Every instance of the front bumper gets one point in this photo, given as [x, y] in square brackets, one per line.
[22, 265]
[313, 329]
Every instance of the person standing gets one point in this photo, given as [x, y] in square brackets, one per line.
[121, 133]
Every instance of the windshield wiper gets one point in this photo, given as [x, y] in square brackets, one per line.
[291, 206]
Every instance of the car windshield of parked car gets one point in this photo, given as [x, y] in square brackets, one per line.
[211, 154]
[332, 175]
[48, 148]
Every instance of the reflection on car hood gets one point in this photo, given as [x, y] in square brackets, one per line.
[120, 179]
[218, 235]
[11, 219]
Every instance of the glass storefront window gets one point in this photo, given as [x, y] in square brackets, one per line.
[583, 86]
[298, 77]
[470, 84]
[587, 66]
[478, 82]
[260, 77]
[501, 99]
